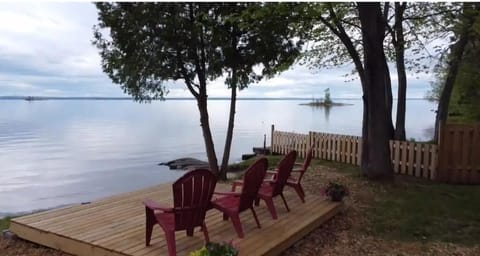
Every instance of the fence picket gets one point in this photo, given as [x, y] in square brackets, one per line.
[418, 160]
[434, 164]
[411, 154]
[396, 157]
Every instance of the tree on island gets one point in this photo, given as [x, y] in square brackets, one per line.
[142, 45]
[327, 100]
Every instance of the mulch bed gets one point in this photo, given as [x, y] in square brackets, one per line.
[345, 234]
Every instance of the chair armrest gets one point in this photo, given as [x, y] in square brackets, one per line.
[271, 181]
[272, 174]
[155, 206]
[226, 193]
[297, 170]
[236, 183]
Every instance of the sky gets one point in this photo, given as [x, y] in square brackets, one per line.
[46, 50]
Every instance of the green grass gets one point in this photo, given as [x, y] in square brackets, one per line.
[427, 212]
[4, 223]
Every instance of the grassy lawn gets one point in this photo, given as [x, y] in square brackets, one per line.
[418, 210]
[428, 212]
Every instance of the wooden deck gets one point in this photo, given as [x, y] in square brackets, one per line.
[115, 226]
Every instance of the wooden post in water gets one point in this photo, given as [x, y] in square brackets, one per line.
[271, 139]
[264, 143]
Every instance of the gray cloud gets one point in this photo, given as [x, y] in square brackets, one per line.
[45, 49]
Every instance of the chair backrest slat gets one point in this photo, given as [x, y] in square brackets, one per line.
[252, 180]
[191, 198]
[306, 163]
[284, 170]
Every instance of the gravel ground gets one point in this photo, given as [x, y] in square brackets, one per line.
[343, 235]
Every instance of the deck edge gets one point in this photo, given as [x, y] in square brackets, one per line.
[58, 242]
[291, 240]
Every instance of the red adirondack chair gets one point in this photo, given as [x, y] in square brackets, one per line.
[294, 180]
[273, 188]
[192, 194]
[234, 203]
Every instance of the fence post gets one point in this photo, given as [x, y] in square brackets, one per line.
[271, 139]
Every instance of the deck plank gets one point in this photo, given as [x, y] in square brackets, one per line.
[114, 226]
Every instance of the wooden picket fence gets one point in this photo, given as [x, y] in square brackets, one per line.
[283, 142]
[414, 159]
[459, 153]
[408, 158]
[334, 147]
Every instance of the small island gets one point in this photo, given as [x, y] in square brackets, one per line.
[325, 102]
[31, 98]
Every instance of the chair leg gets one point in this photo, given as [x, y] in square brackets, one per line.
[237, 224]
[303, 191]
[170, 237]
[299, 191]
[225, 216]
[271, 207]
[285, 202]
[255, 216]
[257, 201]
[189, 231]
[149, 223]
[205, 233]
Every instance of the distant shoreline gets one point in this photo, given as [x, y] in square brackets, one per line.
[43, 98]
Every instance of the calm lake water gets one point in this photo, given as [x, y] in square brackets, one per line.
[58, 152]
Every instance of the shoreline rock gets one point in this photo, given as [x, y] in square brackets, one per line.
[186, 163]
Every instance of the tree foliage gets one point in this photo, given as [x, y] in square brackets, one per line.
[466, 31]
[465, 99]
[143, 45]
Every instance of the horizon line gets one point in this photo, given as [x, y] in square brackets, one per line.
[16, 97]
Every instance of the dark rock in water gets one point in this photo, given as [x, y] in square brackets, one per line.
[186, 164]
[261, 151]
[248, 156]
[8, 235]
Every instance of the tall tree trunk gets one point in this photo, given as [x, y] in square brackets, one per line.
[402, 76]
[231, 120]
[337, 28]
[207, 134]
[378, 163]
[454, 64]
[388, 81]
[389, 99]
